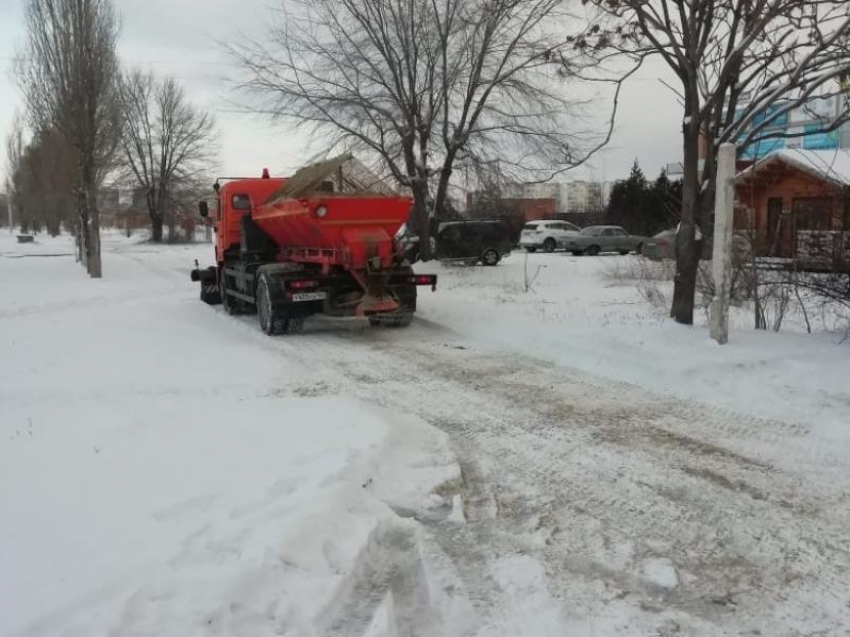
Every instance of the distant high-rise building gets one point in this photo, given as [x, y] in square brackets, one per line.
[570, 196]
[801, 128]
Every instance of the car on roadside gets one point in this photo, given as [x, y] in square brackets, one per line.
[546, 234]
[663, 246]
[473, 240]
[594, 240]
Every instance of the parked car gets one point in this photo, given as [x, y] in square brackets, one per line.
[547, 235]
[474, 240]
[663, 246]
[596, 239]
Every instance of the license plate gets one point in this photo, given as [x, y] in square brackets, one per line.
[310, 296]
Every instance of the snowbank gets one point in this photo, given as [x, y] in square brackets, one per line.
[164, 473]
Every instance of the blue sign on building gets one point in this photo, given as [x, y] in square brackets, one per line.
[805, 122]
[816, 140]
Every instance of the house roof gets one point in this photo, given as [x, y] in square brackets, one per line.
[829, 165]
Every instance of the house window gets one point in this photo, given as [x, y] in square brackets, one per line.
[813, 213]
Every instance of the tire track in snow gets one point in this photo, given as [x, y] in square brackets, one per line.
[596, 478]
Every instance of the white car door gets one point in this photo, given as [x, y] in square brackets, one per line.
[556, 231]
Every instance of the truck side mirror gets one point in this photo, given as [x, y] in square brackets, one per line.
[204, 209]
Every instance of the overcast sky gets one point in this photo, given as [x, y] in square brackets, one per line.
[179, 38]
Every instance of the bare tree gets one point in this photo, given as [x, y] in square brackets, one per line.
[426, 86]
[14, 157]
[166, 142]
[69, 73]
[45, 183]
[740, 66]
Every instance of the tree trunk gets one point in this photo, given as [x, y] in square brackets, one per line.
[95, 264]
[91, 218]
[157, 222]
[82, 213]
[420, 215]
[443, 187]
[687, 247]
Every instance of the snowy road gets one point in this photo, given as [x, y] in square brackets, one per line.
[648, 515]
[587, 506]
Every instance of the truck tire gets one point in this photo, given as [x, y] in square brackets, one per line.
[225, 300]
[272, 319]
[271, 322]
[230, 305]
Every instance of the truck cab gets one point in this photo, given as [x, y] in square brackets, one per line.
[235, 199]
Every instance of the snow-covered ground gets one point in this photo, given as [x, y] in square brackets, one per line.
[588, 313]
[559, 461]
[164, 473]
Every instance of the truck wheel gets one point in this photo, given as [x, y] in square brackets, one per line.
[227, 302]
[549, 245]
[592, 250]
[271, 322]
[490, 257]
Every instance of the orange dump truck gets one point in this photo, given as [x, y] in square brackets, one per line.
[318, 243]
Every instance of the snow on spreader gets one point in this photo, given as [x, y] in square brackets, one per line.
[320, 242]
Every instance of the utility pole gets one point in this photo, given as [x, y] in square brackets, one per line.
[724, 219]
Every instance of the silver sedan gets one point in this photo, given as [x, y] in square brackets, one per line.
[597, 239]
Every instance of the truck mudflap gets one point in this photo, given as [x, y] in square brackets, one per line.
[376, 305]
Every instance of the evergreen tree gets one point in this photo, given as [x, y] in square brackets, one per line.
[644, 208]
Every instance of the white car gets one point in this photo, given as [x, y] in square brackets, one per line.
[546, 235]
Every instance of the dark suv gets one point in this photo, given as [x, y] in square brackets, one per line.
[484, 240]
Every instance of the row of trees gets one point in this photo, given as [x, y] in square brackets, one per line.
[42, 180]
[739, 67]
[645, 207]
[90, 121]
[428, 87]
